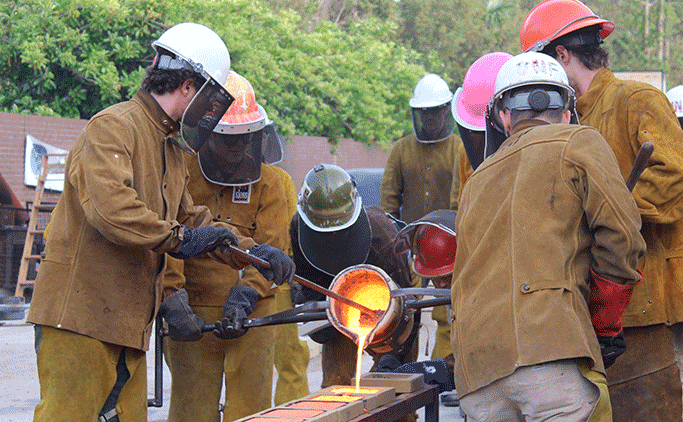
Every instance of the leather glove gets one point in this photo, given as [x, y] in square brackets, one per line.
[608, 302]
[203, 239]
[282, 266]
[296, 294]
[183, 324]
[611, 348]
[237, 308]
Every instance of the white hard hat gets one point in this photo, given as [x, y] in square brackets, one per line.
[431, 91]
[675, 95]
[198, 46]
[530, 68]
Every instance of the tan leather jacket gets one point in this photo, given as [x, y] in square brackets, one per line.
[124, 198]
[464, 171]
[627, 114]
[260, 217]
[417, 177]
[534, 218]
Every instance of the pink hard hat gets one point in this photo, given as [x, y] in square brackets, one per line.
[470, 101]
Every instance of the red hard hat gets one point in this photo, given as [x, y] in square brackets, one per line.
[434, 251]
[552, 19]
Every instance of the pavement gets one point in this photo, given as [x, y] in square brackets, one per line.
[20, 392]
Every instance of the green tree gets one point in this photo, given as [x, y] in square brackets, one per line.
[73, 58]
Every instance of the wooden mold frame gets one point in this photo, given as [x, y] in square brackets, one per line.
[307, 410]
[372, 397]
[402, 383]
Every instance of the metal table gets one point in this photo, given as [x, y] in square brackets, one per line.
[404, 404]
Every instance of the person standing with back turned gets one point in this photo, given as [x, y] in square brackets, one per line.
[645, 383]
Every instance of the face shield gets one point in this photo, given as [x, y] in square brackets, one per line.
[232, 159]
[433, 124]
[272, 146]
[474, 143]
[203, 114]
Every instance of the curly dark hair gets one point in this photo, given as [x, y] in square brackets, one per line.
[162, 81]
[591, 55]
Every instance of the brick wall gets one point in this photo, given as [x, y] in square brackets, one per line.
[300, 155]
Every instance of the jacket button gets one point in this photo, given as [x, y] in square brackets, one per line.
[526, 287]
[218, 216]
[42, 255]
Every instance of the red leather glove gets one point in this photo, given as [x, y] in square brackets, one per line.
[607, 304]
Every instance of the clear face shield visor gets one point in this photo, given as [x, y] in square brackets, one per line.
[203, 114]
[232, 159]
[272, 145]
[433, 124]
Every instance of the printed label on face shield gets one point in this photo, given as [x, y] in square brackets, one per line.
[241, 194]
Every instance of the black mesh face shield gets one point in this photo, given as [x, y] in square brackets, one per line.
[232, 160]
[433, 124]
[474, 143]
[203, 114]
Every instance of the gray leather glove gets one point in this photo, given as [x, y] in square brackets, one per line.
[281, 266]
[296, 294]
[183, 324]
[239, 305]
[203, 239]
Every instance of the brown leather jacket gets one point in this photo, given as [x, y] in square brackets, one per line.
[627, 114]
[417, 177]
[261, 217]
[125, 196]
[534, 218]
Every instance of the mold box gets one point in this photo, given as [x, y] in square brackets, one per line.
[402, 383]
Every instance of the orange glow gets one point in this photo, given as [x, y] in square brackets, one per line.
[367, 288]
[316, 405]
[348, 390]
[292, 413]
[342, 397]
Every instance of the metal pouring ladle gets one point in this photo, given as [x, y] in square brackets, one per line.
[311, 311]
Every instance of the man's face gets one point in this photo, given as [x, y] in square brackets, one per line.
[433, 120]
[230, 148]
[443, 282]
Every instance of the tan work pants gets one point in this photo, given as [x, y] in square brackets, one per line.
[644, 382]
[199, 367]
[77, 373]
[291, 355]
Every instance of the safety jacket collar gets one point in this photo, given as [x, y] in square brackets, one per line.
[586, 102]
[155, 113]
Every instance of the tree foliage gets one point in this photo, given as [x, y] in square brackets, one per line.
[334, 68]
[72, 58]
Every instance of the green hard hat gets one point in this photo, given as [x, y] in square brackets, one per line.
[328, 200]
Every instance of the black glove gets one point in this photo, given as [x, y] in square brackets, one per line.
[203, 239]
[611, 347]
[183, 324]
[282, 266]
[435, 372]
[239, 305]
[297, 295]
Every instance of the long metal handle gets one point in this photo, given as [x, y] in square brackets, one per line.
[158, 399]
[639, 164]
[311, 311]
[258, 261]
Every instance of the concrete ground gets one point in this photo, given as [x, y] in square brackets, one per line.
[19, 390]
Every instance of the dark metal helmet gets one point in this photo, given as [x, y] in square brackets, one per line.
[328, 200]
